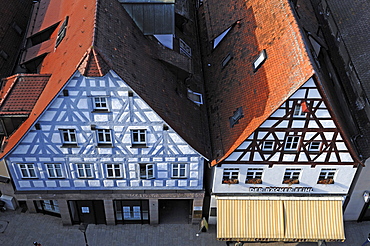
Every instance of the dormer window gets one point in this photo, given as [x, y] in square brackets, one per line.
[259, 60]
[62, 32]
[220, 37]
[238, 114]
[195, 97]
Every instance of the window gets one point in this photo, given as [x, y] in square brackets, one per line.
[220, 37]
[146, 171]
[326, 176]
[298, 111]
[179, 170]
[54, 170]
[195, 97]
[226, 60]
[69, 136]
[268, 145]
[114, 171]
[292, 143]
[254, 176]
[100, 104]
[62, 32]
[230, 176]
[185, 48]
[104, 137]
[259, 60]
[237, 115]
[138, 137]
[27, 170]
[291, 176]
[85, 170]
[314, 146]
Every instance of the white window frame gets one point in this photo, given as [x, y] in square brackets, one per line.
[253, 173]
[55, 170]
[27, 170]
[68, 135]
[292, 174]
[149, 171]
[297, 112]
[106, 136]
[179, 170]
[230, 174]
[100, 103]
[315, 146]
[268, 148]
[114, 168]
[138, 134]
[327, 173]
[85, 170]
[262, 56]
[292, 143]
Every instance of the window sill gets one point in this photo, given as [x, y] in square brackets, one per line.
[326, 181]
[100, 111]
[230, 181]
[253, 181]
[179, 177]
[56, 177]
[70, 146]
[291, 181]
[104, 146]
[139, 146]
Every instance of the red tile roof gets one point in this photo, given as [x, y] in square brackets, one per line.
[100, 36]
[20, 93]
[270, 26]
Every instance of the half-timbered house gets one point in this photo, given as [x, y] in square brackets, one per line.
[107, 125]
[282, 159]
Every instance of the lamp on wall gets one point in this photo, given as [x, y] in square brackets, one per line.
[366, 196]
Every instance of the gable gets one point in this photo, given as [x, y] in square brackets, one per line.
[125, 112]
[301, 131]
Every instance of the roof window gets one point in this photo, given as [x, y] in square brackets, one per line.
[238, 114]
[195, 97]
[259, 60]
[62, 32]
[220, 37]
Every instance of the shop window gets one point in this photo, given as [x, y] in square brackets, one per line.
[230, 176]
[291, 176]
[254, 176]
[326, 176]
[27, 170]
[131, 211]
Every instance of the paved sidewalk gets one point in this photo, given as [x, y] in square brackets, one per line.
[21, 229]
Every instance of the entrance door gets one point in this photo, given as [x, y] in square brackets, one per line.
[89, 212]
[175, 211]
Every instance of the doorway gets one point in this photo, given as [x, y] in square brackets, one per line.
[175, 211]
[89, 212]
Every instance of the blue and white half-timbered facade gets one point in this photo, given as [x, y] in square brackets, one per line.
[99, 135]
[299, 151]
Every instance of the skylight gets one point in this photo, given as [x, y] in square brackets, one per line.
[218, 39]
[61, 32]
[260, 60]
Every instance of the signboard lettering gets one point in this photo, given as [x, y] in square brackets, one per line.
[281, 189]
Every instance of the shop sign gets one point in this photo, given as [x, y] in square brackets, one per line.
[281, 189]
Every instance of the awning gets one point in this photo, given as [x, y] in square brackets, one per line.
[269, 219]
